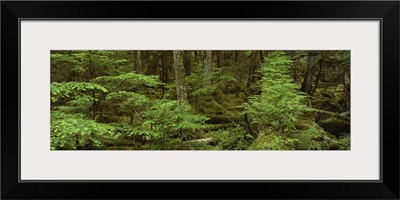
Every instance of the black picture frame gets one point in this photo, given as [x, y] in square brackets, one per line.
[386, 11]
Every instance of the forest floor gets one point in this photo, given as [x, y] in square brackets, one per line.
[329, 101]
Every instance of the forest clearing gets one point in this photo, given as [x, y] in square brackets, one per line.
[200, 100]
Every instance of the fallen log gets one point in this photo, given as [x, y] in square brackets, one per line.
[206, 140]
[221, 119]
[343, 116]
[215, 127]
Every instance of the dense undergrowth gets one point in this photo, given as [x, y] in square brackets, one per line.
[254, 101]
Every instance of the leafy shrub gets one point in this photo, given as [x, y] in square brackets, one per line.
[71, 89]
[127, 81]
[74, 131]
[138, 134]
[235, 138]
[172, 118]
[344, 142]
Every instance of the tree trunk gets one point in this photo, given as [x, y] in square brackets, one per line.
[181, 93]
[307, 83]
[154, 62]
[138, 62]
[236, 57]
[318, 76]
[218, 59]
[133, 61]
[253, 64]
[195, 54]
[187, 62]
[167, 65]
[207, 68]
[346, 90]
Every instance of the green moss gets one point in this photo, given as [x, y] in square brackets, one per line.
[273, 141]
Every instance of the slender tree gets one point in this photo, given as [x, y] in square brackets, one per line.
[180, 77]
[320, 63]
[218, 59]
[207, 68]
[254, 62]
[138, 62]
[307, 83]
[187, 62]
[346, 90]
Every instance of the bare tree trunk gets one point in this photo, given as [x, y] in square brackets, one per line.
[187, 62]
[318, 76]
[162, 73]
[207, 68]
[180, 77]
[253, 64]
[346, 90]
[154, 62]
[168, 65]
[195, 54]
[218, 59]
[307, 83]
[236, 57]
[133, 61]
[138, 62]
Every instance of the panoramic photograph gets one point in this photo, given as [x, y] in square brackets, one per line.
[200, 100]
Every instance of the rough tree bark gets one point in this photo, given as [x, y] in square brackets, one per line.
[207, 68]
[187, 62]
[138, 62]
[168, 65]
[179, 69]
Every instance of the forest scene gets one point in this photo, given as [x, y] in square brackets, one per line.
[199, 100]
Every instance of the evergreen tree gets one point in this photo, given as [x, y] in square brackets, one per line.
[280, 103]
